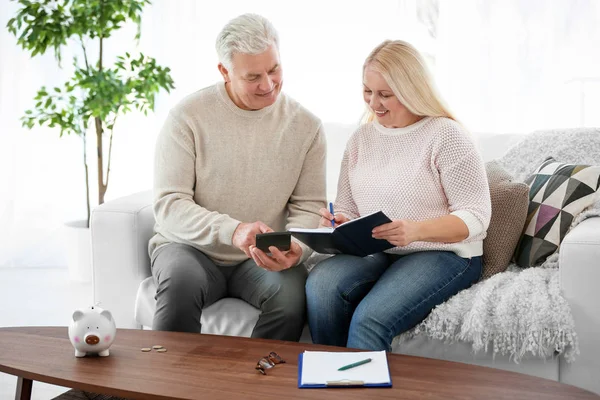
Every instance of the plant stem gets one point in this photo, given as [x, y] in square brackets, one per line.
[87, 180]
[110, 141]
[101, 185]
[99, 132]
[87, 66]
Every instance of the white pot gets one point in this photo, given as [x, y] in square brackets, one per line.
[78, 246]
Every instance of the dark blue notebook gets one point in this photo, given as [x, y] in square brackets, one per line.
[353, 237]
[337, 385]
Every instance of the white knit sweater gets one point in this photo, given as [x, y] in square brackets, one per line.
[424, 171]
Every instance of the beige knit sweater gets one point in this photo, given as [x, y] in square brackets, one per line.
[217, 165]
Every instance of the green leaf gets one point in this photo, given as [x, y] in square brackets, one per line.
[129, 84]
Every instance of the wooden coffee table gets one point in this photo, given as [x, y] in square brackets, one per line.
[221, 367]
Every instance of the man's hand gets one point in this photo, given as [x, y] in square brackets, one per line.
[399, 232]
[245, 235]
[326, 218]
[278, 260]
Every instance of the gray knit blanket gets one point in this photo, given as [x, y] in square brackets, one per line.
[517, 312]
[521, 311]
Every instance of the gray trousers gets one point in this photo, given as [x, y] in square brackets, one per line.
[188, 281]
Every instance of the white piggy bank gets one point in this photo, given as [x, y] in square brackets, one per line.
[92, 331]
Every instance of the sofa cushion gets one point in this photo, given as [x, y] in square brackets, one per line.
[228, 316]
[509, 212]
[558, 193]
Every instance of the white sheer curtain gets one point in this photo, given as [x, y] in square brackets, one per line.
[502, 65]
[519, 65]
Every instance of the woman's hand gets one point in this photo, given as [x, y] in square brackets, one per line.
[399, 232]
[326, 218]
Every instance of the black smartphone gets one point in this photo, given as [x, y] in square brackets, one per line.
[281, 240]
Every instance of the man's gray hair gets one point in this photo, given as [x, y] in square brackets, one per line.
[246, 34]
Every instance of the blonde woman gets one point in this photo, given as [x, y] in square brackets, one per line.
[413, 161]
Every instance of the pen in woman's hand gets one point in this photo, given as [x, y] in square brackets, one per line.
[332, 215]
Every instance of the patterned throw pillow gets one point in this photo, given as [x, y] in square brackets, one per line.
[557, 194]
[509, 212]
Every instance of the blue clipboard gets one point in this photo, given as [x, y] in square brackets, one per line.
[338, 385]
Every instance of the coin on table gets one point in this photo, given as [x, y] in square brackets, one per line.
[146, 349]
[157, 346]
[162, 350]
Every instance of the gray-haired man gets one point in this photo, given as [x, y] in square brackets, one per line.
[233, 160]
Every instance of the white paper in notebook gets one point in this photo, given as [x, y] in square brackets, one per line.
[320, 367]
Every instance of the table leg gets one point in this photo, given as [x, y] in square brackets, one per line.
[23, 389]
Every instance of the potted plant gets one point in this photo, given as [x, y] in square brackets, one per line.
[96, 94]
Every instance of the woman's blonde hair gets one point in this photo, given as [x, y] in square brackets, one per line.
[405, 71]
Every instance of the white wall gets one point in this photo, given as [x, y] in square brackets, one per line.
[502, 65]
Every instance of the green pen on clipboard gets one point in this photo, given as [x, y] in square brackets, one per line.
[356, 364]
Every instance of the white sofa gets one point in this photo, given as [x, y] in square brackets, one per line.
[123, 284]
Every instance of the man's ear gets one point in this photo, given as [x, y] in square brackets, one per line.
[224, 72]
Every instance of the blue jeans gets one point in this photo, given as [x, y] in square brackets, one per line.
[365, 302]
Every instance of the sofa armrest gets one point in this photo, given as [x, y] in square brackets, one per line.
[120, 232]
[579, 265]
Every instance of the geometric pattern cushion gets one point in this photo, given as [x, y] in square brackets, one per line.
[557, 194]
